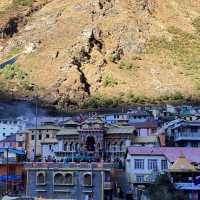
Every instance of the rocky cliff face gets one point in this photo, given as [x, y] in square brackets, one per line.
[127, 50]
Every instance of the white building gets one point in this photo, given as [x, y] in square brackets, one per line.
[143, 164]
[114, 118]
[10, 127]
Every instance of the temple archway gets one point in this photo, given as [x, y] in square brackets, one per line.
[90, 143]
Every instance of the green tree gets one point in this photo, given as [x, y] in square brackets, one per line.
[164, 189]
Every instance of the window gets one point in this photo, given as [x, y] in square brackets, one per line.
[107, 176]
[58, 179]
[194, 129]
[4, 134]
[139, 163]
[32, 137]
[20, 144]
[152, 164]
[164, 164]
[68, 179]
[139, 178]
[194, 144]
[40, 178]
[47, 135]
[40, 137]
[87, 180]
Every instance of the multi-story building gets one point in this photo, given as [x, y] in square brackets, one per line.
[143, 164]
[114, 118]
[182, 133]
[139, 116]
[92, 136]
[11, 170]
[33, 138]
[185, 177]
[9, 141]
[11, 126]
[69, 181]
[146, 128]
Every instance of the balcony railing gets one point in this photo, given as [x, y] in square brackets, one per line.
[84, 165]
[187, 186]
[187, 136]
[9, 160]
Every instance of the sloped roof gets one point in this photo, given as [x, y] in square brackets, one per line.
[182, 165]
[147, 124]
[68, 131]
[192, 154]
[45, 127]
[10, 138]
[12, 150]
[93, 120]
[120, 129]
[71, 122]
[146, 139]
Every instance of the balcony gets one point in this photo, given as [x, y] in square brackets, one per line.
[186, 186]
[186, 136]
[141, 178]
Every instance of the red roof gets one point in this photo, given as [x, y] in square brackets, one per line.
[171, 153]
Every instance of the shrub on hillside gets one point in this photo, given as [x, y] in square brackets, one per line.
[109, 81]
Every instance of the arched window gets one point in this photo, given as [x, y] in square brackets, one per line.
[121, 146]
[58, 179]
[40, 178]
[115, 147]
[87, 179]
[77, 147]
[66, 147]
[68, 179]
[71, 147]
[108, 146]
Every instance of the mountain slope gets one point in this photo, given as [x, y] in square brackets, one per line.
[95, 50]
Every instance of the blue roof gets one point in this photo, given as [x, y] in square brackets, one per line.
[12, 150]
[10, 177]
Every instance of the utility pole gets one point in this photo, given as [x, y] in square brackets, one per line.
[7, 170]
[36, 126]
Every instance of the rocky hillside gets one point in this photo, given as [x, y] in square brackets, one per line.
[101, 52]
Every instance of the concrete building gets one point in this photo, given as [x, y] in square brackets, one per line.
[135, 116]
[11, 126]
[69, 181]
[11, 170]
[114, 118]
[185, 177]
[144, 164]
[44, 135]
[9, 141]
[182, 133]
[146, 128]
[92, 136]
